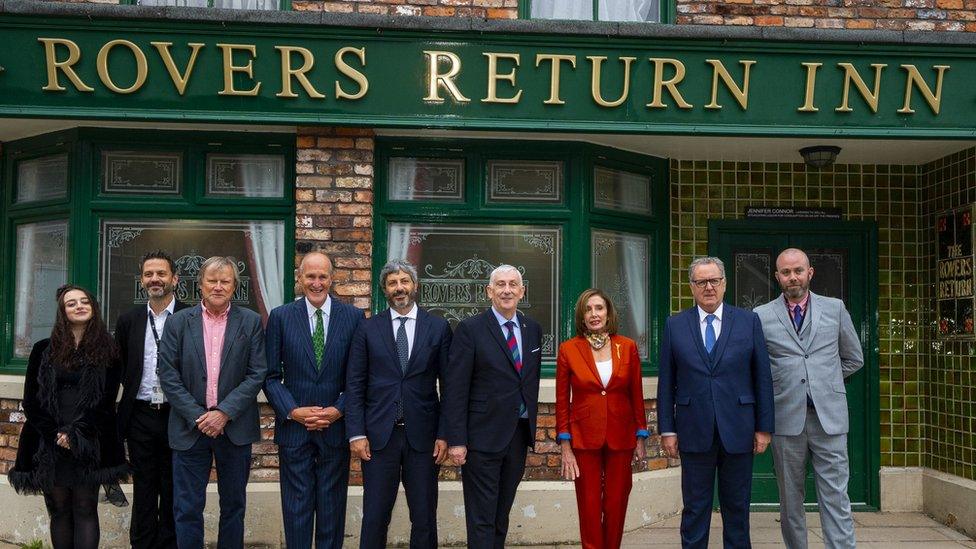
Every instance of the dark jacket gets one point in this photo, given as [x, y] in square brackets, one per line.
[93, 433]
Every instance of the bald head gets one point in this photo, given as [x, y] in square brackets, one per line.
[315, 277]
[793, 272]
[792, 253]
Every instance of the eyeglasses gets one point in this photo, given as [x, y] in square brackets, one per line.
[715, 282]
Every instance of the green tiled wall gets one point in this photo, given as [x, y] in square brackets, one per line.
[891, 195]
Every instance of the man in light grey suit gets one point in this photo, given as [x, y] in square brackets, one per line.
[812, 347]
[211, 366]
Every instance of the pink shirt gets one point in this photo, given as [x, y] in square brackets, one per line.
[214, 327]
[802, 304]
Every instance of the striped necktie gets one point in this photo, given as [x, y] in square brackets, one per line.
[513, 346]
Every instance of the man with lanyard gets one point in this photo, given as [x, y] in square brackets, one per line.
[143, 410]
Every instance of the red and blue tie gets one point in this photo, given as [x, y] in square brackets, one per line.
[513, 346]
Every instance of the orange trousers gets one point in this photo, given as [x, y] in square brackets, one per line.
[602, 491]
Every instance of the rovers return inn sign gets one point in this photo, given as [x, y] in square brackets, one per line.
[288, 73]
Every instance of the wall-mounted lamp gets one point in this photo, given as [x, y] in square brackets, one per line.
[819, 156]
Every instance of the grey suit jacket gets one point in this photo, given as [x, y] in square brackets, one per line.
[182, 371]
[825, 352]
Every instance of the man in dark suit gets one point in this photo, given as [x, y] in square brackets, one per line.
[211, 367]
[393, 411]
[491, 395]
[143, 411]
[308, 346]
[715, 396]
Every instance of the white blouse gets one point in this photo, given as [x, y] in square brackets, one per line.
[605, 368]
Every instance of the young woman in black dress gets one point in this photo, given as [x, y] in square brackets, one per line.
[69, 444]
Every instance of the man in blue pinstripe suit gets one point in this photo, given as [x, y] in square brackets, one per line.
[307, 349]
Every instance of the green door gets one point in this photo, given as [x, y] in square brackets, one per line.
[844, 258]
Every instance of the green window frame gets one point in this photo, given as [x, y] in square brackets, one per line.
[86, 205]
[667, 15]
[283, 5]
[576, 214]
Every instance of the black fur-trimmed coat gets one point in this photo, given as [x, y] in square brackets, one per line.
[93, 433]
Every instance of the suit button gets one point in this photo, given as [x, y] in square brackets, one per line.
[806, 356]
[604, 393]
[803, 381]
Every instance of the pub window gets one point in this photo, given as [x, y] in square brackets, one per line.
[226, 4]
[596, 10]
[567, 215]
[86, 204]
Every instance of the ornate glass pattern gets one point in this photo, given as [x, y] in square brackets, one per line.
[136, 172]
[258, 247]
[455, 261]
[41, 267]
[525, 181]
[620, 268]
[44, 178]
[427, 179]
[752, 277]
[620, 190]
[246, 175]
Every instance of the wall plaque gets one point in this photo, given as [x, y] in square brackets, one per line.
[954, 272]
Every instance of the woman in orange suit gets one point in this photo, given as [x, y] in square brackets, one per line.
[600, 418]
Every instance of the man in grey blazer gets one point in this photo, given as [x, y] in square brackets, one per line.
[211, 366]
[812, 347]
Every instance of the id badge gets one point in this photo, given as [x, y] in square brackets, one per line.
[157, 395]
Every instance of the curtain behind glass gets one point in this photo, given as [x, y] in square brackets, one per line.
[230, 4]
[629, 10]
[562, 9]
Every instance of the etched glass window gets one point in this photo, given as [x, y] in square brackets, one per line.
[513, 181]
[620, 268]
[44, 178]
[454, 262]
[245, 175]
[441, 180]
[227, 4]
[258, 247]
[753, 281]
[41, 267]
[137, 172]
[606, 10]
[620, 190]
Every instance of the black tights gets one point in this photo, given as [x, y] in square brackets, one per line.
[74, 516]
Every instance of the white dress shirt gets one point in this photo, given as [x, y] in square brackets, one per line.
[326, 309]
[605, 368]
[716, 324]
[410, 326]
[150, 351]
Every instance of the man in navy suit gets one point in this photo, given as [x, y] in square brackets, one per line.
[715, 396]
[308, 346]
[393, 410]
[490, 399]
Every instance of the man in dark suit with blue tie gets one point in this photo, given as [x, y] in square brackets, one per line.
[308, 346]
[393, 410]
[490, 399]
[715, 396]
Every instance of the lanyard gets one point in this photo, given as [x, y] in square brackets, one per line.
[152, 324]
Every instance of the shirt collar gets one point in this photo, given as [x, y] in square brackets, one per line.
[326, 307]
[718, 313]
[501, 319]
[412, 313]
[803, 304]
[221, 316]
[171, 308]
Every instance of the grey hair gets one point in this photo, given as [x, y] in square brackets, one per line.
[398, 265]
[504, 268]
[705, 261]
[220, 262]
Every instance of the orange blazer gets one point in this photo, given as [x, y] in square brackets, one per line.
[592, 414]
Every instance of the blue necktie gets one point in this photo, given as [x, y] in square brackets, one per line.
[403, 355]
[709, 334]
[797, 318]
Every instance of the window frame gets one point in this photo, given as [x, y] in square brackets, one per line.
[575, 215]
[283, 5]
[666, 15]
[86, 206]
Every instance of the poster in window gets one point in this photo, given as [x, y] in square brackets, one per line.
[954, 272]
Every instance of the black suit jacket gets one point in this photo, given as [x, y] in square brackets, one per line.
[483, 393]
[130, 334]
[375, 381]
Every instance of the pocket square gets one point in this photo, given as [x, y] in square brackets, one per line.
[536, 350]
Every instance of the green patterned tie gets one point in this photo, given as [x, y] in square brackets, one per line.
[318, 338]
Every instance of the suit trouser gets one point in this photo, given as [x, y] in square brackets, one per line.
[314, 480]
[381, 480]
[191, 475]
[831, 472]
[489, 481]
[152, 478]
[602, 491]
[734, 491]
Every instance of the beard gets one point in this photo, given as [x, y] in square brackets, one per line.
[160, 290]
[391, 299]
[796, 292]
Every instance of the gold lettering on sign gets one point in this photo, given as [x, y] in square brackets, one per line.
[288, 73]
[494, 77]
[671, 84]
[352, 73]
[596, 78]
[810, 90]
[436, 79]
[65, 66]
[554, 74]
[230, 68]
[179, 80]
[142, 67]
[741, 95]
[851, 75]
[915, 80]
